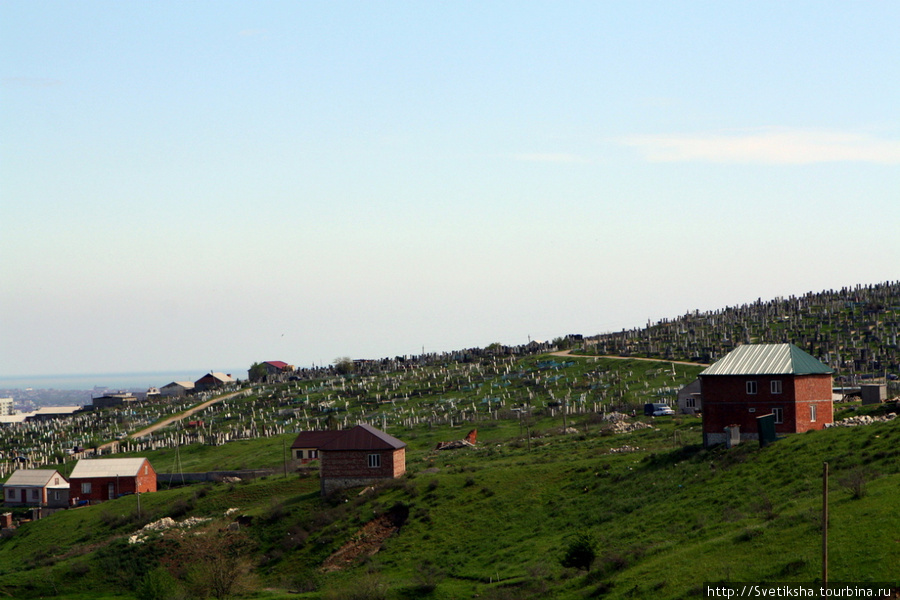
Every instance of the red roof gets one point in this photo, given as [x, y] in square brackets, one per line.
[278, 364]
[363, 437]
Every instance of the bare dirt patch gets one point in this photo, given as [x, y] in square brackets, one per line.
[368, 540]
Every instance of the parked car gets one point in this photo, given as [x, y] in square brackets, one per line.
[658, 409]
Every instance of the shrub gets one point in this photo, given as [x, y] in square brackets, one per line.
[580, 553]
[855, 483]
[158, 584]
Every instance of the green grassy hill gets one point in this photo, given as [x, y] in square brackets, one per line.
[660, 514]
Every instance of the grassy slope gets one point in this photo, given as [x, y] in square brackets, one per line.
[667, 518]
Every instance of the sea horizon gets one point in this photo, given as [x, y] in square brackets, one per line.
[129, 380]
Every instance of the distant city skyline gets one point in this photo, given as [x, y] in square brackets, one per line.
[218, 184]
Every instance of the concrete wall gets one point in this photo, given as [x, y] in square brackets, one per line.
[177, 478]
[873, 394]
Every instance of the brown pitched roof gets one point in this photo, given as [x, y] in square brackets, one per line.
[363, 437]
[314, 439]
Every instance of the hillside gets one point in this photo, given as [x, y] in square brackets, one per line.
[854, 330]
[665, 514]
[552, 476]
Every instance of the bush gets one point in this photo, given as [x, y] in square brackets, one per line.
[855, 483]
[158, 584]
[580, 553]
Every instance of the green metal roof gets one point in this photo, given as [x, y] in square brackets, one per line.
[767, 359]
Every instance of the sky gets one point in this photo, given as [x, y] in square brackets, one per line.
[212, 184]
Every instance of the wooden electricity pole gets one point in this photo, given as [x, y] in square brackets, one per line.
[825, 524]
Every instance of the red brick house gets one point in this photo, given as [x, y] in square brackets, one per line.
[360, 456]
[760, 379]
[98, 479]
[36, 487]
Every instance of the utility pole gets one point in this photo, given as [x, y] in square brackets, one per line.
[825, 524]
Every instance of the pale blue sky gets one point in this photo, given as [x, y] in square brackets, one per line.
[208, 184]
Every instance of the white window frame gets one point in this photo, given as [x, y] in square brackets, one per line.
[85, 487]
[752, 387]
[813, 413]
[374, 461]
[775, 386]
[779, 415]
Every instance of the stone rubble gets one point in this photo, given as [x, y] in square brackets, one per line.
[862, 420]
[162, 525]
[625, 427]
[623, 449]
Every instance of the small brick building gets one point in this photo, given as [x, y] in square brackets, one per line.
[760, 379]
[98, 479]
[360, 456]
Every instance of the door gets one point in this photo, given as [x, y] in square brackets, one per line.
[112, 491]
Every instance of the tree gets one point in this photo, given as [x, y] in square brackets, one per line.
[344, 365]
[257, 372]
[563, 343]
[218, 563]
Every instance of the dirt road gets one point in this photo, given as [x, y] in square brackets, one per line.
[569, 354]
[180, 416]
[167, 421]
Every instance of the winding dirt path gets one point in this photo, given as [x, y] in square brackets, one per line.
[181, 416]
[569, 354]
[169, 420]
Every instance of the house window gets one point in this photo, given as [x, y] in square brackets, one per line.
[775, 386]
[690, 403]
[10, 493]
[812, 413]
[86, 487]
[779, 415]
[34, 494]
[751, 387]
[56, 495]
[314, 454]
[374, 460]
